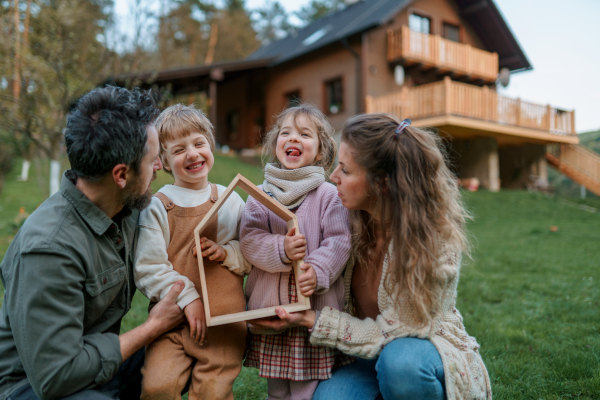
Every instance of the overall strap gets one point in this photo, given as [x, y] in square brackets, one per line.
[214, 193]
[165, 200]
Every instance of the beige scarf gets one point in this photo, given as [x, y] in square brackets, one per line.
[291, 186]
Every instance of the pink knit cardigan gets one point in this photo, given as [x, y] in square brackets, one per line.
[324, 221]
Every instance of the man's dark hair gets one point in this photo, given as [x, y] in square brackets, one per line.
[108, 127]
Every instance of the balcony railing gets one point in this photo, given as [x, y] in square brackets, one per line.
[437, 52]
[448, 97]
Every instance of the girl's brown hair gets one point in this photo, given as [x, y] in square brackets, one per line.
[327, 147]
[415, 192]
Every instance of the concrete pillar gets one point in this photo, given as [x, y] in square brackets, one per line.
[478, 158]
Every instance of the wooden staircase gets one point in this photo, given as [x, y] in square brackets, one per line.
[578, 163]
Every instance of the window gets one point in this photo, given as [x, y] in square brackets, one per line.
[418, 23]
[232, 122]
[334, 96]
[292, 98]
[451, 32]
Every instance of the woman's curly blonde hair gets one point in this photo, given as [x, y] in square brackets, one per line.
[327, 146]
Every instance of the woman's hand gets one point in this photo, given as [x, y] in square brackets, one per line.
[285, 320]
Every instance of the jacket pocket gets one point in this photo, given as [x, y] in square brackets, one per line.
[105, 279]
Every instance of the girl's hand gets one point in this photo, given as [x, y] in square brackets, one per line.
[194, 312]
[285, 320]
[307, 282]
[294, 245]
[210, 249]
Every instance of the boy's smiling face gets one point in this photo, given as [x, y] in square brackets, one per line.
[190, 159]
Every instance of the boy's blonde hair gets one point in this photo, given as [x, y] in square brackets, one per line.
[179, 121]
[327, 147]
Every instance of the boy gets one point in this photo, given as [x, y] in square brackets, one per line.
[166, 254]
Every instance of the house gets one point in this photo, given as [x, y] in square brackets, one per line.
[434, 61]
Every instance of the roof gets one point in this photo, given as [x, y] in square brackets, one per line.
[483, 15]
[188, 79]
[493, 30]
[333, 27]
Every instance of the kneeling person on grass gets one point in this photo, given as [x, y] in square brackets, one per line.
[68, 274]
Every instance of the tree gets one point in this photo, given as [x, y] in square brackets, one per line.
[237, 37]
[272, 22]
[318, 8]
[65, 59]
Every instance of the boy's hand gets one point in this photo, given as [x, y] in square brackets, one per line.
[194, 312]
[307, 282]
[294, 245]
[210, 249]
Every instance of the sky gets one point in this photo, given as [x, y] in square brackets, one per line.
[561, 43]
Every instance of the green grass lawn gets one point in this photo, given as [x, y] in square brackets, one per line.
[530, 296]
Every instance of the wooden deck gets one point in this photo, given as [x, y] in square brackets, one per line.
[479, 109]
[409, 47]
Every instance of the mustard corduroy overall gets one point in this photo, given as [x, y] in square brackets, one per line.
[170, 358]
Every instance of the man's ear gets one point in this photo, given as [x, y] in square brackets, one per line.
[165, 164]
[119, 175]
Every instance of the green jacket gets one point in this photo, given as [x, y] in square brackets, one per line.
[68, 279]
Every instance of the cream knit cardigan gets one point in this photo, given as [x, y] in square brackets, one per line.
[465, 374]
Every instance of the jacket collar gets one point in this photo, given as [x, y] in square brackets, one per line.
[91, 214]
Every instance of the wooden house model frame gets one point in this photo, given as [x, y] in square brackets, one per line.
[285, 214]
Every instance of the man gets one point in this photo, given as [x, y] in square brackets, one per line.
[68, 274]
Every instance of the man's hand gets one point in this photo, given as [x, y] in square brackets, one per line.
[194, 312]
[210, 249]
[307, 282]
[163, 317]
[166, 314]
[294, 245]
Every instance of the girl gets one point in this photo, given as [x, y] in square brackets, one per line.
[302, 145]
[408, 233]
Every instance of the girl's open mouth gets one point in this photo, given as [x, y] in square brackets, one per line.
[195, 167]
[293, 152]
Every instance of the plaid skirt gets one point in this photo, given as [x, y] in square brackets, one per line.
[290, 355]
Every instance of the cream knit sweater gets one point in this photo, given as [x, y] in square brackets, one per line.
[465, 374]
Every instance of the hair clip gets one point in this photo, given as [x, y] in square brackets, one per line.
[401, 127]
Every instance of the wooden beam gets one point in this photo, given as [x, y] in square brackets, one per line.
[283, 213]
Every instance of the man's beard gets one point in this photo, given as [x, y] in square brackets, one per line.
[133, 199]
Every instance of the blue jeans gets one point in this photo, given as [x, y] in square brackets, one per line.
[126, 384]
[407, 368]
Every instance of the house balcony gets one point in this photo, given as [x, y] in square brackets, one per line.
[408, 47]
[465, 111]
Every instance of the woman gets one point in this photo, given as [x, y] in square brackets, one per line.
[408, 233]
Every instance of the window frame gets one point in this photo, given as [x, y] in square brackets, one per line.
[455, 25]
[422, 15]
[326, 106]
